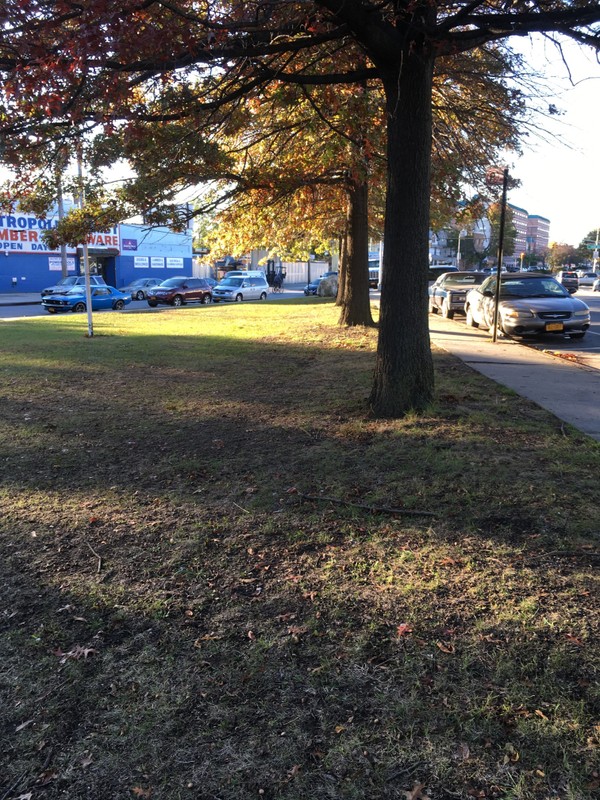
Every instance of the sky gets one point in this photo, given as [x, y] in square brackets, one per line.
[560, 180]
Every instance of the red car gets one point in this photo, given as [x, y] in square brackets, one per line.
[179, 291]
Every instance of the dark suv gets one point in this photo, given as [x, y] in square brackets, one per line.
[179, 291]
[569, 279]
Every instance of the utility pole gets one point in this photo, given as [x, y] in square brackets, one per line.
[86, 259]
[500, 252]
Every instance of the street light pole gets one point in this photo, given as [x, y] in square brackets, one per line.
[461, 234]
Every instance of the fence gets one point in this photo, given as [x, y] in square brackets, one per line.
[295, 271]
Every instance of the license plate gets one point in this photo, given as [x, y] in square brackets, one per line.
[554, 326]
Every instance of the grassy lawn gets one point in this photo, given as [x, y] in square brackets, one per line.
[184, 613]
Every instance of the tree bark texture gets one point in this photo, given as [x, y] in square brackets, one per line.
[356, 308]
[342, 269]
[403, 380]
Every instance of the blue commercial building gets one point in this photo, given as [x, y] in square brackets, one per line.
[121, 255]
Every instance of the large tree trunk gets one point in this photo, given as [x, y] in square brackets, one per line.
[342, 270]
[403, 380]
[356, 308]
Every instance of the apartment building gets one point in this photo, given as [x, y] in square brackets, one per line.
[538, 234]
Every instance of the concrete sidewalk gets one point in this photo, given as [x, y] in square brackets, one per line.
[20, 299]
[569, 390]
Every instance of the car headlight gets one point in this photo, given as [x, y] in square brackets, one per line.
[513, 313]
[583, 313]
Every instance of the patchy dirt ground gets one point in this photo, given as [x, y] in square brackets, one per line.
[178, 621]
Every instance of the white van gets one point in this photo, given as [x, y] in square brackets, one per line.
[245, 273]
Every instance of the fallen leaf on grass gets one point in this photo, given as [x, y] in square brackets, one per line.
[541, 714]
[573, 639]
[403, 629]
[416, 793]
[76, 653]
[297, 630]
[462, 752]
[138, 791]
[445, 648]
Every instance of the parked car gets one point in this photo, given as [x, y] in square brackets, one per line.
[241, 288]
[596, 285]
[72, 280]
[529, 303]
[587, 278]
[179, 291]
[569, 279]
[312, 287]
[373, 273]
[439, 269]
[138, 289]
[74, 299]
[329, 274]
[449, 292]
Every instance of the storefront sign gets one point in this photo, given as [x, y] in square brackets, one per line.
[174, 263]
[156, 261]
[140, 262]
[23, 233]
[128, 244]
[55, 264]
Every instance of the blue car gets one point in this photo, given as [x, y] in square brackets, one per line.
[74, 299]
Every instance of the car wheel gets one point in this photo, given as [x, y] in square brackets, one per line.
[119, 305]
[152, 303]
[206, 299]
[78, 308]
[51, 310]
[238, 298]
[139, 295]
[447, 312]
[432, 308]
[263, 296]
[178, 301]
[470, 321]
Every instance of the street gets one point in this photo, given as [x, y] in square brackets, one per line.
[587, 350]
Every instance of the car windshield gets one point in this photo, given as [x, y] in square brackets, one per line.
[67, 281]
[532, 287]
[472, 279]
[170, 283]
[231, 282]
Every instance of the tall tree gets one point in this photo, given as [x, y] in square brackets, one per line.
[68, 57]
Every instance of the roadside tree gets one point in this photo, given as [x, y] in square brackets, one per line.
[70, 60]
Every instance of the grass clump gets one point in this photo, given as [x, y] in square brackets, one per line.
[178, 621]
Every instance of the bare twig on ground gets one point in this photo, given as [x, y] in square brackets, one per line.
[366, 507]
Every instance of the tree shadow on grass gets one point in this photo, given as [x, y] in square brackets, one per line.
[249, 672]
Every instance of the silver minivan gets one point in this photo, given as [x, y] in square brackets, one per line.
[237, 288]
